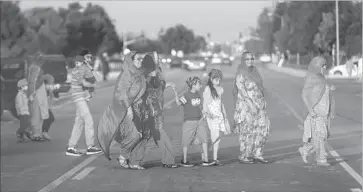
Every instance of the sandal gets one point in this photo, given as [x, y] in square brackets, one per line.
[123, 163]
[38, 139]
[20, 137]
[246, 161]
[136, 167]
[170, 165]
[28, 135]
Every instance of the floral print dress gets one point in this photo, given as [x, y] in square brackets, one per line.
[253, 126]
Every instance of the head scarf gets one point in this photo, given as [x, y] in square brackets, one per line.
[148, 64]
[249, 71]
[315, 83]
[193, 81]
[129, 63]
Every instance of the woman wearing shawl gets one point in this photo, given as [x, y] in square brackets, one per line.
[318, 100]
[156, 85]
[38, 97]
[251, 120]
[123, 119]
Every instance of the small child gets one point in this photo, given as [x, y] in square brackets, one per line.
[22, 109]
[192, 128]
[214, 111]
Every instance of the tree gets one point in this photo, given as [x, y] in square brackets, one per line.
[264, 30]
[353, 39]
[325, 37]
[179, 37]
[89, 28]
[16, 36]
[49, 26]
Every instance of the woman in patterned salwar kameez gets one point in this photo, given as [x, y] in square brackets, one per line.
[250, 116]
[317, 97]
[123, 121]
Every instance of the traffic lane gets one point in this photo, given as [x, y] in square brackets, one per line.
[286, 173]
[347, 121]
[30, 166]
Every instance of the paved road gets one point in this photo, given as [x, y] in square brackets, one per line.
[35, 166]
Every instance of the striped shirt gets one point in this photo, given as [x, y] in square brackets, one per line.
[78, 75]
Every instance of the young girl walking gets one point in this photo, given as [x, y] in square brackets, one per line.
[192, 129]
[214, 111]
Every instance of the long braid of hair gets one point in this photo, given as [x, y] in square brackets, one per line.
[212, 89]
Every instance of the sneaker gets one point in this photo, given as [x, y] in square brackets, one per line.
[206, 163]
[303, 155]
[186, 164]
[93, 151]
[73, 152]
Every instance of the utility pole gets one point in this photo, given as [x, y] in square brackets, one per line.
[337, 31]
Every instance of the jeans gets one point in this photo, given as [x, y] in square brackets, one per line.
[48, 122]
[83, 120]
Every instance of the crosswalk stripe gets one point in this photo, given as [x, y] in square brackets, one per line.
[81, 175]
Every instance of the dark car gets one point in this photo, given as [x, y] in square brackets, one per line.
[14, 69]
[194, 63]
[175, 62]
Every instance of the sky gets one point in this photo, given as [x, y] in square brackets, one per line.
[222, 19]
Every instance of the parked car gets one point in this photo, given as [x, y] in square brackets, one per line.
[13, 69]
[221, 61]
[175, 62]
[194, 63]
[265, 58]
[341, 70]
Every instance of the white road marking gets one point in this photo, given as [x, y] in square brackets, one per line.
[337, 157]
[83, 173]
[86, 162]
[51, 186]
[356, 190]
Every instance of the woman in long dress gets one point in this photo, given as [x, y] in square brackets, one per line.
[250, 116]
[319, 101]
[123, 121]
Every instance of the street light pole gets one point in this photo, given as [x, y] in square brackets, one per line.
[337, 30]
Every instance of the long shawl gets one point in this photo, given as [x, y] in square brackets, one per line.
[155, 91]
[313, 91]
[35, 78]
[315, 84]
[130, 86]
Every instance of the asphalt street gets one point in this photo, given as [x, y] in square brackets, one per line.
[44, 167]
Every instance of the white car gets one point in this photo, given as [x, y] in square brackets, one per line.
[341, 70]
[265, 58]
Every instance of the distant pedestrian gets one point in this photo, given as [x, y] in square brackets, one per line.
[214, 111]
[318, 99]
[194, 125]
[105, 65]
[83, 119]
[250, 115]
[22, 109]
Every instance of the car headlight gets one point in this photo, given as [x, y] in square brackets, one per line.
[163, 60]
[168, 60]
[202, 64]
